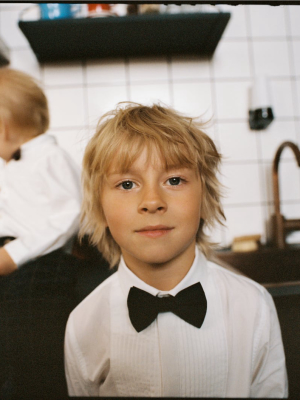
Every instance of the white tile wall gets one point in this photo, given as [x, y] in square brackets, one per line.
[101, 99]
[237, 142]
[259, 39]
[231, 60]
[289, 178]
[198, 68]
[232, 98]
[296, 57]
[152, 69]
[63, 74]
[24, 60]
[267, 185]
[242, 221]
[67, 108]
[9, 30]
[271, 58]
[283, 98]
[107, 72]
[237, 27]
[148, 93]
[242, 181]
[291, 211]
[267, 21]
[277, 133]
[193, 98]
[294, 15]
[297, 102]
[289, 181]
[73, 140]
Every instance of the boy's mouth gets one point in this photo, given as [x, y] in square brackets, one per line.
[154, 231]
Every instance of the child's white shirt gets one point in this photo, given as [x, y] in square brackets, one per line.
[238, 351]
[40, 199]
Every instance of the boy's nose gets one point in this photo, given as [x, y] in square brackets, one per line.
[152, 201]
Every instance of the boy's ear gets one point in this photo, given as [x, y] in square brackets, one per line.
[203, 214]
[203, 210]
[202, 206]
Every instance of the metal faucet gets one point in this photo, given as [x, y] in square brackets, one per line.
[280, 226]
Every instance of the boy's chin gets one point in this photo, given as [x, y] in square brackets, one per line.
[157, 262]
[158, 259]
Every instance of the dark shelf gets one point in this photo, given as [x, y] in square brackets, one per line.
[110, 37]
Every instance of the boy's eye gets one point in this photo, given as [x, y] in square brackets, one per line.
[175, 181]
[127, 185]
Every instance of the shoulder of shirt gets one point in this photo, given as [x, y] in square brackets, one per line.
[237, 281]
[92, 315]
[97, 296]
[46, 150]
[50, 148]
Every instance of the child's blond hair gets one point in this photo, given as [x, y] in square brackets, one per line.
[120, 137]
[22, 101]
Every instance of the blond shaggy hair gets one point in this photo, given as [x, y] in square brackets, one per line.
[121, 135]
[22, 101]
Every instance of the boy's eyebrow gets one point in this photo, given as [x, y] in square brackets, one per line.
[121, 171]
[131, 170]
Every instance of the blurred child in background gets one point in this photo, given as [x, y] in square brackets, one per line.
[40, 200]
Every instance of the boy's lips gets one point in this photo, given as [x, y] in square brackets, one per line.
[154, 231]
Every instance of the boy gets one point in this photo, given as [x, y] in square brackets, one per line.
[40, 200]
[168, 323]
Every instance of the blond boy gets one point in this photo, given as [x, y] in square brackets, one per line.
[168, 323]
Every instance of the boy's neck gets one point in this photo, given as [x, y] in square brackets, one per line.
[13, 139]
[163, 276]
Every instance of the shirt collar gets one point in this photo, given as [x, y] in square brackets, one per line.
[197, 273]
[32, 144]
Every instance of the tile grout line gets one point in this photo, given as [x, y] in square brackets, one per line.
[127, 78]
[262, 178]
[170, 80]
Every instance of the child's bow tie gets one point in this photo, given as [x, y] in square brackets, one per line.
[190, 305]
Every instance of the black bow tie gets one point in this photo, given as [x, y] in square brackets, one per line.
[190, 305]
[17, 155]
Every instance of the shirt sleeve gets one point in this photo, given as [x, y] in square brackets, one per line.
[269, 368]
[75, 367]
[56, 204]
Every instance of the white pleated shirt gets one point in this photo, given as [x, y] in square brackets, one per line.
[238, 351]
[40, 199]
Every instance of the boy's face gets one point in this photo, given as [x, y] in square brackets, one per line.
[153, 214]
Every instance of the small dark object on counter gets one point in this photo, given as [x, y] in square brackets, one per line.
[132, 9]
